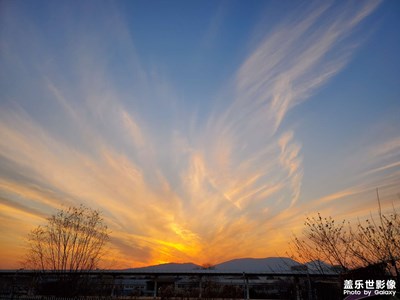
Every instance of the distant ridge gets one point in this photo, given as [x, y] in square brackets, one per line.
[169, 267]
[318, 265]
[269, 264]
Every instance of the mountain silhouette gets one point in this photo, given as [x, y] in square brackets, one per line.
[269, 264]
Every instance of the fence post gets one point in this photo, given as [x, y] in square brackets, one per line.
[155, 287]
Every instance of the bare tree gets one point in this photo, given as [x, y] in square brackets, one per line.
[72, 240]
[378, 241]
[324, 240]
[374, 241]
[207, 266]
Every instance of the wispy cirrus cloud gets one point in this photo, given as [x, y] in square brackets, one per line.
[171, 187]
[385, 156]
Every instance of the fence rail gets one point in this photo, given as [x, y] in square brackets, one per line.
[24, 297]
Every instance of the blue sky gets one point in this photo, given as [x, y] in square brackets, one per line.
[196, 126]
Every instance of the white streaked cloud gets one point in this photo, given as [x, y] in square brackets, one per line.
[387, 149]
[296, 58]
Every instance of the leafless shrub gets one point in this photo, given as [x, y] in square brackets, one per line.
[374, 241]
[73, 239]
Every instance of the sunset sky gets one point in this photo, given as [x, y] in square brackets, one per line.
[203, 130]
